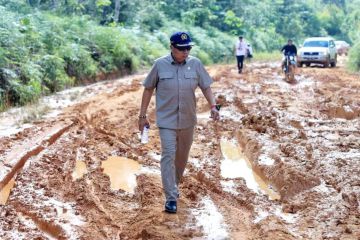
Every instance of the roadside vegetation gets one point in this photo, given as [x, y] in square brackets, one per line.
[50, 45]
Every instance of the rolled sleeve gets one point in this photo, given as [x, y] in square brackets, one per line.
[152, 78]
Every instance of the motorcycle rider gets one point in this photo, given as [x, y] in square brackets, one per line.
[288, 49]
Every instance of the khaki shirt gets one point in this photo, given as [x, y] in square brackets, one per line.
[175, 90]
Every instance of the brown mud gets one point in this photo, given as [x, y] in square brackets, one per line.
[301, 139]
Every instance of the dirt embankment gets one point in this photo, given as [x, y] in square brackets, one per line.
[302, 140]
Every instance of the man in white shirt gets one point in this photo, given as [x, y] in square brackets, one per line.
[240, 52]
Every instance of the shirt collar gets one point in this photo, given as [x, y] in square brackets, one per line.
[173, 62]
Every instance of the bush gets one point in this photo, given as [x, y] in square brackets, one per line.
[3, 61]
[203, 56]
[21, 94]
[268, 56]
[78, 61]
[151, 22]
[2, 100]
[122, 55]
[42, 53]
[150, 49]
[354, 57]
[54, 76]
[21, 86]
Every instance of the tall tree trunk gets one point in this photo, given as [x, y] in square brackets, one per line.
[117, 10]
[54, 4]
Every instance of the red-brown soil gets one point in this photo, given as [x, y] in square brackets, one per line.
[302, 138]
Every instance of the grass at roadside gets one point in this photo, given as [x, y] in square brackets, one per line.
[267, 56]
[354, 58]
[257, 56]
[33, 112]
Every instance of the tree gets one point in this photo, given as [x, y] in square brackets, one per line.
[117, 10]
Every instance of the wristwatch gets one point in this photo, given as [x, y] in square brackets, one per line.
[216, 106]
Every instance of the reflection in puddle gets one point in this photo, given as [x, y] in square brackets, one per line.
[5, 192]
[236, 165]
[122, 172]
[80, 169]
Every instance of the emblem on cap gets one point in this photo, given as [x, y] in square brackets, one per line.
[183, 36]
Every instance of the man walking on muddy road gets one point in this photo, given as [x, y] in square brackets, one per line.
[240, 52]
[175, 78]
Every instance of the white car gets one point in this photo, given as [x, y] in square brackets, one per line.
[320, 50]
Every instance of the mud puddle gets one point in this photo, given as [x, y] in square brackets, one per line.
[122, 172]
[80, 169]
[237, 165]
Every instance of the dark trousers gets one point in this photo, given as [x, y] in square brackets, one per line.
[240, 61]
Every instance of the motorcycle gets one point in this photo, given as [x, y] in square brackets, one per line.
[289, 68]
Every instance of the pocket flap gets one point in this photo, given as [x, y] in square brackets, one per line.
[190, 75]
[163, 75]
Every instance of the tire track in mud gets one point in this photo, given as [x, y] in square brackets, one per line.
[16, 157]
[288, 138]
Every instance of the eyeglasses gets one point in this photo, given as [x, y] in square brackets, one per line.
[183, 49]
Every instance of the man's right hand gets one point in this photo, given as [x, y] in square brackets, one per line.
[214, 114]
[142, 123]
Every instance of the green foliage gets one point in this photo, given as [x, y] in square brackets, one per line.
[351, 25]
[198, 16]
[113, 50]
[23, 93]
[265, 39]
[122, 56]
[78, 61]
[202, 55]
[2, 101]
[47, 45]
[211, 45]
[74, 7]
[3, 60]
[103, 3]
[54, 76]
[330, 18]
[268, 56]
[151, 22]
[234, 23]
[354, 57]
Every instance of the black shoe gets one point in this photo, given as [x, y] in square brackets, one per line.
[240, 70]
[170, 206]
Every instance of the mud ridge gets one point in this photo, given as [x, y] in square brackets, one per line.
[17, 164]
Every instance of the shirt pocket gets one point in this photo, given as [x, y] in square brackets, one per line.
[191, 80]
[166, 80]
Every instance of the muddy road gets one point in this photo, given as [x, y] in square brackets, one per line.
[283, 163]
